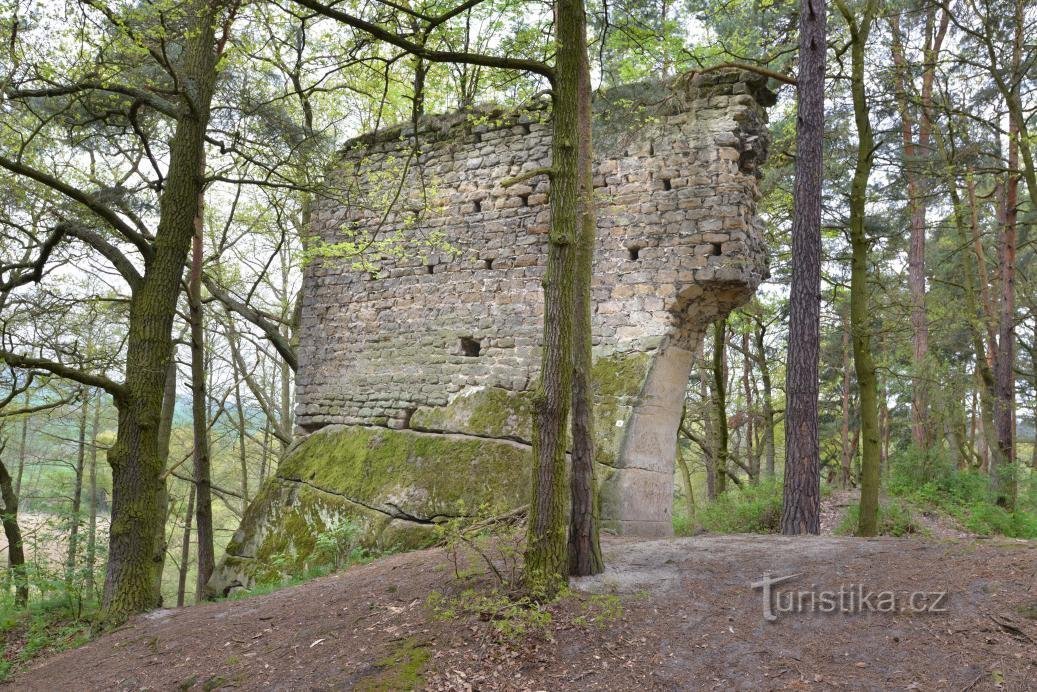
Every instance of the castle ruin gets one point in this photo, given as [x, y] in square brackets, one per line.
[418, 358]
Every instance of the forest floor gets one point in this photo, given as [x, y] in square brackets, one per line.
[688, 620]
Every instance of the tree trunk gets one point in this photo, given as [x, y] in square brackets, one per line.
[720, 446]
[136, 549]
[768, 400]
[13, 533]
[546, 555]
[22, 448]
[864, 364]
[974, 313]
[584, 546]
[802, 485]
[185, 549]
[1004, 477]
[844, 479]
[682, 466]
[77, 492]
[707, 423]
[91, 527]
[750, 415]
[917, 192]
[200, 413]
[242, 437]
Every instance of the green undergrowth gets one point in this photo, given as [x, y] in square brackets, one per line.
[403, 669]
[746, 509]
[45, 627]
[964, 494]
[896, 518]
[335, 548]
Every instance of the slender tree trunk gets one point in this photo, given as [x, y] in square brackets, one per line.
[185, 549]
[584, 546]
[91, 527]
[914, 153]
[22, 448]
[200, 414]
[864, 365]
[768, 400]
[242, 457]
[77, 492]
[802, 485]
[720, 447]
[546, 556]
[846, 456]
[13, 533]
[1004, 479]
[685, 471]
[975, 315]
[136, 548]
[711, 439]
[750, 414]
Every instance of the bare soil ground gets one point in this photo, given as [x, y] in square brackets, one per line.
[689, 621]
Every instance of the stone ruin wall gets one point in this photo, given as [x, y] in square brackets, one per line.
[416, 369]
[678, 245]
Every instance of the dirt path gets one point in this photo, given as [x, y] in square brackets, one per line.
[689, 621]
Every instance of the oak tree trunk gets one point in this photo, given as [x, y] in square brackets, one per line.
[136, 548]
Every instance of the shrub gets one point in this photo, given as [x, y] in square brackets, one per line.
[749, 509]
[965, 494]
[895, 519]
[986, 519]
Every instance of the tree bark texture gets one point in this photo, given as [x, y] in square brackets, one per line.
[802, 483]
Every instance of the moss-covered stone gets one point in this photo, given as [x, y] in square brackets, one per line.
[403, 669]
[618, 380]
[483, 411]
[393, 484]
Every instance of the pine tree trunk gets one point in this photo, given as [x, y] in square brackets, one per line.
[1004, 480]
[802, 485]
[917, 192]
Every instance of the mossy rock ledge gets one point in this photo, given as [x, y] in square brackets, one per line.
[469, 458]
[394, 484]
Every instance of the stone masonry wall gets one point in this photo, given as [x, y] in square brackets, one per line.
[439, 338]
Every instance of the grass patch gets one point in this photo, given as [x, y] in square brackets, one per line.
[895, 519]
[748, 509]
[45, 628]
